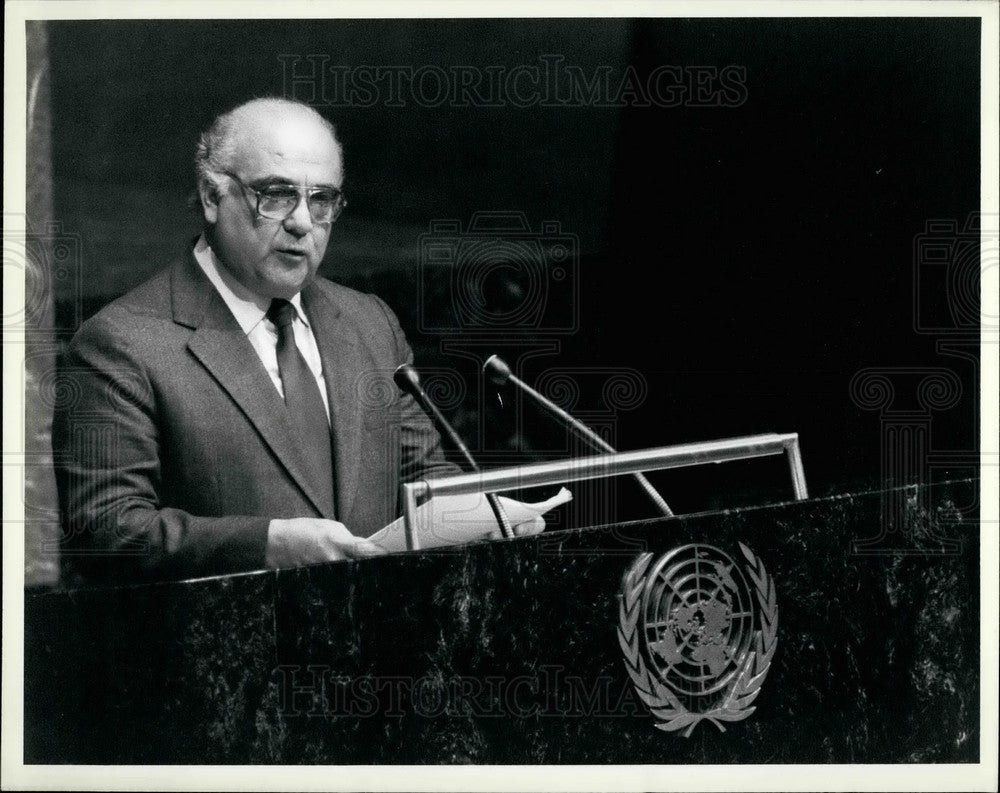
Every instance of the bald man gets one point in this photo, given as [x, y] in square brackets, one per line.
[236, 411]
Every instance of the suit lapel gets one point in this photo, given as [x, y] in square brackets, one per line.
[342, 362]
[220, 345]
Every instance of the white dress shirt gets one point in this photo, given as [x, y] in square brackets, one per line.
[250, 310]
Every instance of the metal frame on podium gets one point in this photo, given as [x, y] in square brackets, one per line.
[598, 466]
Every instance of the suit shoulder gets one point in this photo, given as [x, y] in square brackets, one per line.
[355, 304]
[344, 296]
[134, 313]
[371, 320]
[150, 298]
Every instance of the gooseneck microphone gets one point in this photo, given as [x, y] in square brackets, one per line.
[500, 374]
[408, 380]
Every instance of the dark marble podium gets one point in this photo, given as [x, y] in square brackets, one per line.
[508, 652]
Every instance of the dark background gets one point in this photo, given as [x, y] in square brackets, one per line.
[746, 261]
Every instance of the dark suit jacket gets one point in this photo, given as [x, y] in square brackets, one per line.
[172, 449]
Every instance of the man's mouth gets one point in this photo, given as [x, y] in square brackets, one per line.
[293, 252]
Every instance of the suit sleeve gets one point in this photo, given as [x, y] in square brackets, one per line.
[107, 450]
[420, 444]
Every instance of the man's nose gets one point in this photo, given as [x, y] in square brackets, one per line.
[299, 222]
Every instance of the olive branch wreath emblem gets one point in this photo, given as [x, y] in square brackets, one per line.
[736, 704]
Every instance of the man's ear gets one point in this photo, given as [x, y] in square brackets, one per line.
[208, 193]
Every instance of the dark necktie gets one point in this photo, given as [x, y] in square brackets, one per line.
[304, 404]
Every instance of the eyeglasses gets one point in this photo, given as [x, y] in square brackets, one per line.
[278, 201]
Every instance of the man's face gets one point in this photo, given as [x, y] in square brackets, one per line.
[273, 258]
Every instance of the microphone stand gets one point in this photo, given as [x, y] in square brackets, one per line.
[500, 374]
[408, 380]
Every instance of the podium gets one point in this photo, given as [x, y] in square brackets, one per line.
[841, 630]
[613, 644]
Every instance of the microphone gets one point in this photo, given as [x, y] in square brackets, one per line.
[408, 380]
[500, 374]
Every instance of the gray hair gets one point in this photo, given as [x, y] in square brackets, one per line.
[216, 147]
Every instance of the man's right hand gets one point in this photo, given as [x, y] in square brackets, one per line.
[294, 542]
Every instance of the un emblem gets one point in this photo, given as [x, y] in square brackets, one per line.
[698, 633]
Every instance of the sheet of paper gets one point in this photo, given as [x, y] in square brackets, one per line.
[453, 520]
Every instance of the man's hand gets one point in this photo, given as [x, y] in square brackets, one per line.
[294, 542]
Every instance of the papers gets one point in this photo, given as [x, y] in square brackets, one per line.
[453, 520]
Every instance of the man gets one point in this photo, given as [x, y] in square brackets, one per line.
[236, 411]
